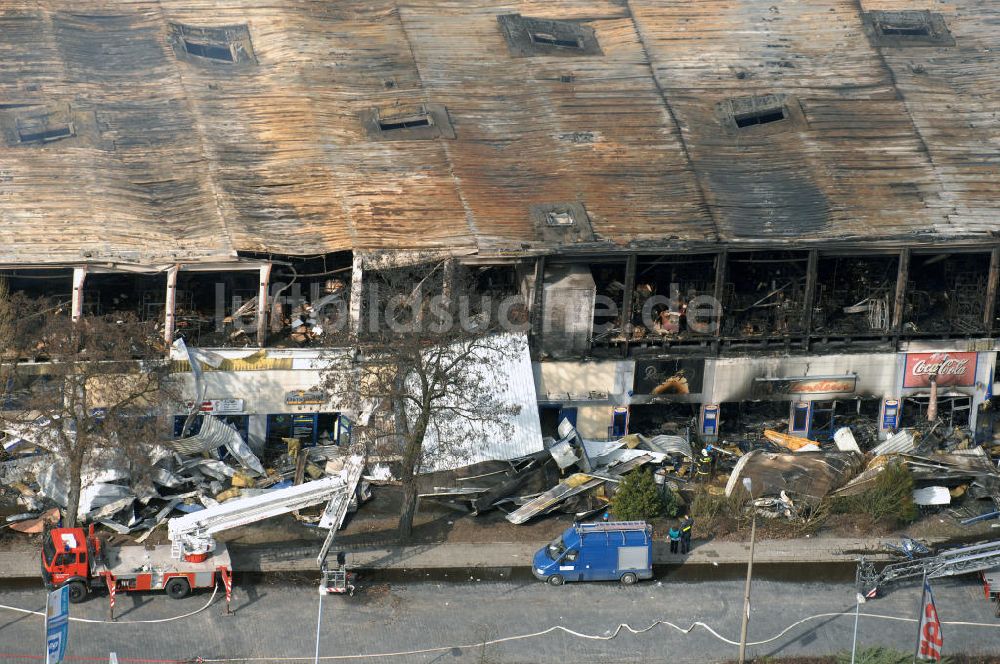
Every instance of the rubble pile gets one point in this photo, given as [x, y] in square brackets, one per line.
[571, 474]
[180, 476]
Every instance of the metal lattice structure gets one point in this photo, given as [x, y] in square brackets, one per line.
[951, 562]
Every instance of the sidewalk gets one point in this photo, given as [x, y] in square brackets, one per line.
[23, 563]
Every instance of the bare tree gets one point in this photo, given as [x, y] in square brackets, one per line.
[421, 370]
[85, 390]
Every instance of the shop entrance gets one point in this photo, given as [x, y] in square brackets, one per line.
[953, 411]
[656, 418]
[551, 416]
[310, 428]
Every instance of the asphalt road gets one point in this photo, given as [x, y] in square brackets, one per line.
[277, 620]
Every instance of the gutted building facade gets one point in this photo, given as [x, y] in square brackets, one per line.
[781, 212]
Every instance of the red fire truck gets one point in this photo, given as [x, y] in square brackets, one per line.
[83, 562]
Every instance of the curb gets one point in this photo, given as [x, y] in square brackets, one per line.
[301, 557]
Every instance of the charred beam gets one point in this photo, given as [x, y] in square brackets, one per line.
[721, 261]
[812, 269]
[630, 268]
[989, 309]
[899, 302]
[538, 300]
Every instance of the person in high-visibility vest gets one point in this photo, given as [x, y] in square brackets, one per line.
[687, 523]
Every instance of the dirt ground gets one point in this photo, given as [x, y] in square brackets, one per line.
[374, 524]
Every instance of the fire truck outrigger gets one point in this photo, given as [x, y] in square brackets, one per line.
[83, 562]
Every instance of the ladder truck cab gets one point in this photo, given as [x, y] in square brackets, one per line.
[83, 562]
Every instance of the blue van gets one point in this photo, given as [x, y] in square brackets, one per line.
[613, 551]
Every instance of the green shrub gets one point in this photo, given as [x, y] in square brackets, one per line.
[672, 503]
[891, 498]
[637, 497]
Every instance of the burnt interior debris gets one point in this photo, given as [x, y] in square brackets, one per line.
[664, 288]
[855, 295]
[764, 294]
[945, 293]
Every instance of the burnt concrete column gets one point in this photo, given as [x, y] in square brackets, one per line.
[170, 305]
[357, 292]
[79, 277]
[262, 304]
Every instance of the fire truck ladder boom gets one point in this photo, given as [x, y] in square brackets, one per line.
[336, 509]
[197, 528]
[960, 560]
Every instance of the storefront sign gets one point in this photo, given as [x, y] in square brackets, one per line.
[668, 377]
[951, 369]
[220, 406]
[805, 385]
[305, 398]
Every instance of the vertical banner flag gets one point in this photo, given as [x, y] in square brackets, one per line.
[56, 625]
[930, 637]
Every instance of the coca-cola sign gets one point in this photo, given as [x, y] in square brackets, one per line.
[951, 369]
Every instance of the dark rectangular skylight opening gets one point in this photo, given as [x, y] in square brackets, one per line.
[906, 30]
[903, 29]
[553, 40]
[45, 135]
[559, 218]
[765, 116]
[409, 122]
[210, 51]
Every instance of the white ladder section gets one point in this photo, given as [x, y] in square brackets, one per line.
[199, 526]
[336, 509]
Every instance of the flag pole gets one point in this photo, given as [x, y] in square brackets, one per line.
[857, 614]
[920, 613]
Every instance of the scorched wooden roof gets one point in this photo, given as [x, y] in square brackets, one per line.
[182, 130]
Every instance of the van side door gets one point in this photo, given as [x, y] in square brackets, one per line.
[571, 565]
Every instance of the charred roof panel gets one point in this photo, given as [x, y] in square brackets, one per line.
[128, 182]
[853, 165]
[533, 130]
[247, 137]
[953, 93]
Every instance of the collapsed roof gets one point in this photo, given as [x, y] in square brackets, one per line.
[185, 130]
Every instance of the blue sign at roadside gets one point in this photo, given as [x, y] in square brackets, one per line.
[56, 625]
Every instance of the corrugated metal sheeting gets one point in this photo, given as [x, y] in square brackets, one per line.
[520, 435]
[189, 129]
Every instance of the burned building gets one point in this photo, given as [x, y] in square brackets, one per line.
[717, 213]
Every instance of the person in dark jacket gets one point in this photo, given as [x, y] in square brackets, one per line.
[703, 466]
[674, 534]
[687, 523]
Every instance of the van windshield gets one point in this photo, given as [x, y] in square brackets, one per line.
[555, 549]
